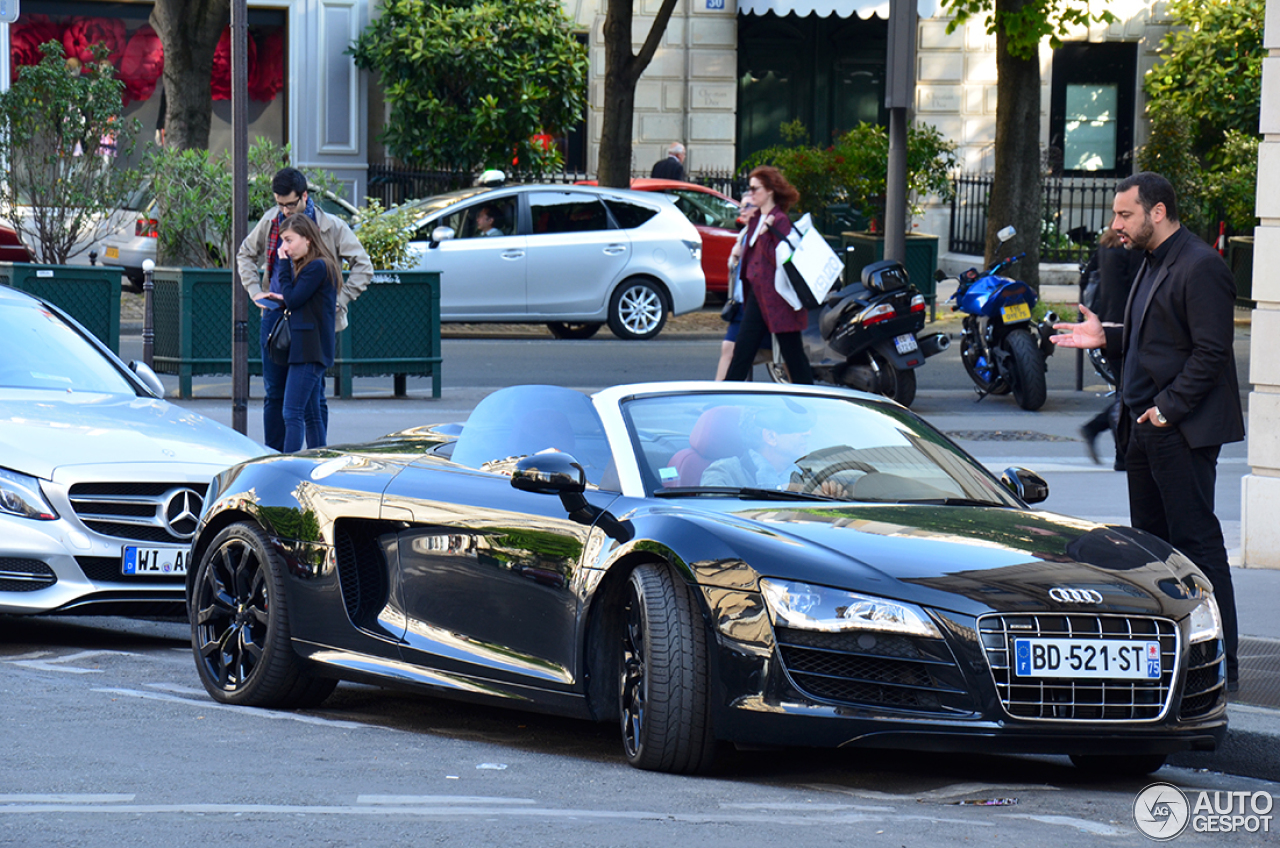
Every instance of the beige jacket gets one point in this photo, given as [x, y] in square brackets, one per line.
[251, 258]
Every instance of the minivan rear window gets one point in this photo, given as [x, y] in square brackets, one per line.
[629, 215]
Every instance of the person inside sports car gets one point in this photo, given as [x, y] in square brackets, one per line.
[707, 563]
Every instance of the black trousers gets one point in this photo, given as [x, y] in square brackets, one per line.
[1171, 495]
[753, 329]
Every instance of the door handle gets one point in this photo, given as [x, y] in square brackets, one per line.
[513, 254]
[615, 249]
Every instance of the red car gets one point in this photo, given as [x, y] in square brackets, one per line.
[11, 248]
[713, 214]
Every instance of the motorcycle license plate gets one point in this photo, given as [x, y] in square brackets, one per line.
[1016, 312]
[905, 343]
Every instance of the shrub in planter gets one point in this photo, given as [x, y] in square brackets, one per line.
[385, 235]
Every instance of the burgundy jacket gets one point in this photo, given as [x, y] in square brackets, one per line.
[759, 263]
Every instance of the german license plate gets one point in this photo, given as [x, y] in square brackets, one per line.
[154, 560]
[113, 253]
[905, 343]
[1095, 658]
[1015, 313]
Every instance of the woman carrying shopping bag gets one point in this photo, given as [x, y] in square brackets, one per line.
[309, 284]
[763, 309]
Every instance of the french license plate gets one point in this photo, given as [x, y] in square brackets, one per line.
[905, 343]
[1016, 312]
[113, 253]
[1105, 658]
[154, 560]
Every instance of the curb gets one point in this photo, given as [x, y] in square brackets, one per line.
[1251, 747]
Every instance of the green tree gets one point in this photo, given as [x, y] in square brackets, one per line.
[1019, 27]
[622, 70]
[1205, 96]
[62, 140]
[471, 82]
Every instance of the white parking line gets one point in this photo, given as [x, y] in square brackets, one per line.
[248, 711]
[56, 664]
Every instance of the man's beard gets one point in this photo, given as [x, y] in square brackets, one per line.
[1142, 238]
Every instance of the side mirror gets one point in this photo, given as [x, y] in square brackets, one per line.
[1026, 484]
[148, 377]
[549, 474]
[440, 234]
[1006, 234]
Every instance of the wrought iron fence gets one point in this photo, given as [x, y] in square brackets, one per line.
[1075, 210]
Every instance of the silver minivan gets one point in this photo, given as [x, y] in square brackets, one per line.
[572, 257]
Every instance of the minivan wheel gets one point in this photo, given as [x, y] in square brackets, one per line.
[637, 310]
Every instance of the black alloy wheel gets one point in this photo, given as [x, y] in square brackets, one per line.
[240, 625]
[664, 686]
[563, 330]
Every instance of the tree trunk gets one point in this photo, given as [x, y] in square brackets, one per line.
[622, 72]
[189, 31]
[1016, 193]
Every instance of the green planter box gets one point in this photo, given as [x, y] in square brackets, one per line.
[89, 294]
[1240, 260]
[394, 328]
[861, 249]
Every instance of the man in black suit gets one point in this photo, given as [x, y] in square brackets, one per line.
[1180, 400]
[671, 168]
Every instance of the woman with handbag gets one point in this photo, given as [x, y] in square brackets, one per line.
[763, 309]
[732, 310]
[309, 282]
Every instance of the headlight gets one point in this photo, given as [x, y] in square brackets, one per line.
[808, 607]
[20, 495]
[1206, 621]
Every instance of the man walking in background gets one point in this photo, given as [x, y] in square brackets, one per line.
[290, 189]
[671, 168]
[1180, 399]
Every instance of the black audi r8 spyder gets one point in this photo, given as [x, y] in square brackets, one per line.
[706, 563]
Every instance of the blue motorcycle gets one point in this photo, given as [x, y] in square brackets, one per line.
[1001, 347]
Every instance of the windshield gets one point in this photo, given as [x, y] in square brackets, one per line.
[707, 210]
[38, 350]
[789, 446]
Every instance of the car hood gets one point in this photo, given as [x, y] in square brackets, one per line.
[967, 559]
[45, 431]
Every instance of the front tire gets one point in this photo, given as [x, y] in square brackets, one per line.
[240, 625]
[664, 684]
[1030, 389]
[563, 330]
[638, 310]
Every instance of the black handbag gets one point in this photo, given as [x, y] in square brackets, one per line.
[279, 339]
[729, 312]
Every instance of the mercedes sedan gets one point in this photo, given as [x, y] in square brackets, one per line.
[101, 480]
[700, 563]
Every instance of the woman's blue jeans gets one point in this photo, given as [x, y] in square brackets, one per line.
[301, 413]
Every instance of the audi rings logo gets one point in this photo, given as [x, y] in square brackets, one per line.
[182, 512]
[1161, 811]
[1075, 596]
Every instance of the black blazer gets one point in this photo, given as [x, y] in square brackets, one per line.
[1183, 340]
[313, 304]
[670, 168]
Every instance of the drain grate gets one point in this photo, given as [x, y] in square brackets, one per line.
[1259, 672]
[1007, 436]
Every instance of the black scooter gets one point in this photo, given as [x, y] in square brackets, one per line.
[864, 336]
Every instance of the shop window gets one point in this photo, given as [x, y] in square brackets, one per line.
[1092, 109]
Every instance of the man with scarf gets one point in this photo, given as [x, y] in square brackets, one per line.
[290, 189]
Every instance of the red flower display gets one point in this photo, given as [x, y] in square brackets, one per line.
[25, 38]
[82, 33]
[221, 82]
[141, 65]
[266, 78]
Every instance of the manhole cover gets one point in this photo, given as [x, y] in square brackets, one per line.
[1007, 436]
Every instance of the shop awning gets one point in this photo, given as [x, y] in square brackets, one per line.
[826, 8]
